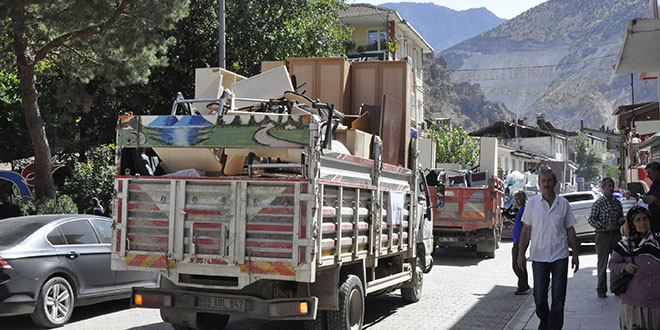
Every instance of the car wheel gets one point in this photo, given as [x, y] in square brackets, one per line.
[55, 303]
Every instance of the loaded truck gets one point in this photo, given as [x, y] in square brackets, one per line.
[251, 214]
[469, 216]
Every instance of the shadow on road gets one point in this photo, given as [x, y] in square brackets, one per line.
[24, 322]
[482, 316]
[379, 308]
[455, 257]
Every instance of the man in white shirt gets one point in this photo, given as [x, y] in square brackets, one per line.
[548, 222]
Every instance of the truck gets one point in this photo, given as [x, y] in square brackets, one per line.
[299, 232]
[469, 216]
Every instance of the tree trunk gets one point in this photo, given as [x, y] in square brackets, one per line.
[44, 186]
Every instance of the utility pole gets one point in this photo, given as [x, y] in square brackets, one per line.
[221, 32]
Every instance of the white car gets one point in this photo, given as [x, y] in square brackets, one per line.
[581, 203]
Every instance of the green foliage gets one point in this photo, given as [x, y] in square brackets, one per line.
[588, 157]
[455, 146]
[95, 178]
[260, 30]
[62, 204]
[613, 172]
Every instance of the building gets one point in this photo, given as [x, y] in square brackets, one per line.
[639, 50]
[525, 147]
[380, 33]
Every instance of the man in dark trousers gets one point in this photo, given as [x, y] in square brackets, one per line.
[520, 198]
[548, 229]
[7, 209]
[652, 198]
[606, 217]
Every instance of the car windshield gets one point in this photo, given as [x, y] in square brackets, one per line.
[15, 230]
[578, 198]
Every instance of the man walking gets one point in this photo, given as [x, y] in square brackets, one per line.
[548, 221]
[606, 217]
[520, 198]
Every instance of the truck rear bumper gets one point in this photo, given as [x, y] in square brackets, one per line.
[204, 302]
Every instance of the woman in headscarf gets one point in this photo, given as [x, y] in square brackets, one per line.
[639, 255]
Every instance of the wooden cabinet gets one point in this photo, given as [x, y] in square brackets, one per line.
[370, 81]
[327, 80]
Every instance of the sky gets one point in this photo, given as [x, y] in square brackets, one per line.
[502, 8]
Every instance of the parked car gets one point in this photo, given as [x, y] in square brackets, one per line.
[581, 203]
[50, 264]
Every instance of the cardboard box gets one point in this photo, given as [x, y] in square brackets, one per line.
[356, 141]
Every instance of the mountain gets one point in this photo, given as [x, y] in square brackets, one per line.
[557, 59]
[462, 102]
[442, 27]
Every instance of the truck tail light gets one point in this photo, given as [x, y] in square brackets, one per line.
[152, 300]
[4, 264]
[303, 308]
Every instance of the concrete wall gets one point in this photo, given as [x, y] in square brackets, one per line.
[488, 155]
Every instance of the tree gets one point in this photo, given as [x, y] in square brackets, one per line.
[455, 146]
[256, 31]
[588, 157]
[83, 39]
[95, 178]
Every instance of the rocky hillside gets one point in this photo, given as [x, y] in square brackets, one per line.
[443, 27]
[462, 102]
[557, 59]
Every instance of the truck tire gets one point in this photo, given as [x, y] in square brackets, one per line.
[412, 294]
[350, 315]
[486, 249]
[320, 323]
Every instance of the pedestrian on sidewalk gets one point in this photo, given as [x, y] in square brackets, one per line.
[627, 201]
[520, 199]
[639, 254]
[652, 197]
[548, 222]
[606, 217]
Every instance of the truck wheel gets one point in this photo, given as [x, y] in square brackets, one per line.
[486, 248]
[320, 323]
[412, 294]
[55, 304]
[210, 321]
[350, 315]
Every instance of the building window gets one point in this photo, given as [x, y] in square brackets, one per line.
[378, 39]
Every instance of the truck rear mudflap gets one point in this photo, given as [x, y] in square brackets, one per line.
[241, 305]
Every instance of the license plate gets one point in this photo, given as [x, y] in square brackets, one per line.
[448, 239]
[228, 304]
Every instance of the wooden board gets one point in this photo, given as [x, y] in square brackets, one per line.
[391, 130]
[267, 85]
[269, 65]
[374, 112]
[328, 79]
[371, 80]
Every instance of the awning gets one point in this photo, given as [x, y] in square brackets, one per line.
[641, 47]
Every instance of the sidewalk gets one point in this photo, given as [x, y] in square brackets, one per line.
[583, 309]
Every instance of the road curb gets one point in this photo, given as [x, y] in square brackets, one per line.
[522, 316]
